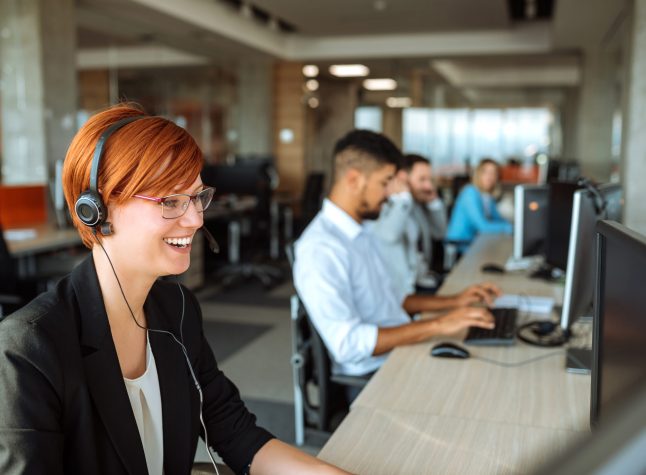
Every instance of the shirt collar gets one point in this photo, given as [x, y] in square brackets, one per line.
[341, 219]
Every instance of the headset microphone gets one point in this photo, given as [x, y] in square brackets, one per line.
[213, 244]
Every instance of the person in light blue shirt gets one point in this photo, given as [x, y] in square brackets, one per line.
[342, 280]
[475, 209]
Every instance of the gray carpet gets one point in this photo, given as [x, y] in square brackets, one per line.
[251, 293]
[226, 338]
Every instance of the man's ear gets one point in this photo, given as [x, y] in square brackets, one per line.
[355, 179]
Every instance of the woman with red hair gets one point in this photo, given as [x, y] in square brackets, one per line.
[110, 371]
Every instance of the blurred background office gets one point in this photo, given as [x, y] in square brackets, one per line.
[540, 86]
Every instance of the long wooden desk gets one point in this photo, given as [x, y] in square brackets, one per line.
[420, 414]
[46, 238]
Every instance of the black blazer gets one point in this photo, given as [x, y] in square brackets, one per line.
[63, 403]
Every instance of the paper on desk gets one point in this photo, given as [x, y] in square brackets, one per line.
[19, 234]
[526, 303]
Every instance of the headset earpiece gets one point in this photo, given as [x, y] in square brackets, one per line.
[89, 207]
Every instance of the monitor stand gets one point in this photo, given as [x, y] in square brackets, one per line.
[578, 360]
[547, 272]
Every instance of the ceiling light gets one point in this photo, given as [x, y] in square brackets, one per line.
[245, 10]
[310, 71]
[349, 70]
[313, 102]
[312, 84]
[399, 102]
[383, 84]
[380, 5]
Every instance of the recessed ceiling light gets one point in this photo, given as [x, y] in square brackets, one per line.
[380, 5]
[399, 102]
[310, 71]
[349, 70]
[382, 84]
[312, 84]
[313, 102]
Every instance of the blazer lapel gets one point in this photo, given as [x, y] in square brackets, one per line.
[175, 386]
[102, 371]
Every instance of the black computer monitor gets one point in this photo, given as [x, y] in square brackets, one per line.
[561, 195]
[530, 220]
[587, 208]
[619, 341]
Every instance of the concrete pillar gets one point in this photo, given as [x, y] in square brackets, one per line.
[569, 124]
[633, 160]
[254, 107]
[597, 104]
[37, 86]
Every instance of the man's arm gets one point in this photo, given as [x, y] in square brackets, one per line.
[478, 293]
[421, 330]
[279, 458]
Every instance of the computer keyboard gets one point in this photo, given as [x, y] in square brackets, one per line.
[503, 333]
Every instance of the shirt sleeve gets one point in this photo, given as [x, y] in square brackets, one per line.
[232, 429]
[322, 279]
[31, 438]
[391, 224]
[438, 218]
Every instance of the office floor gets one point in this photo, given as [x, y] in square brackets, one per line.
[249, 331]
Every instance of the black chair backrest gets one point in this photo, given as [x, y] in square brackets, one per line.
[8, 272]
[312, 196]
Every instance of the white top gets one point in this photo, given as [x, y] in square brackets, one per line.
[341, 278]
[145, 400]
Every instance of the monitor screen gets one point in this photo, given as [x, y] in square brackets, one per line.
[581, 260]
[561, 195]
[619, 343]
[530, 220]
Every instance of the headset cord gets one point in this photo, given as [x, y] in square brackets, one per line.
[180, 343]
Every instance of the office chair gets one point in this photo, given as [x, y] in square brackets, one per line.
[13, 292]
[311, 200]
[248, 177]
[320, 411]
[320, 402]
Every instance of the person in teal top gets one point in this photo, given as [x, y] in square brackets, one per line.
[475, 209]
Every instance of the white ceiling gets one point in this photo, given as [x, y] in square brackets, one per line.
[360, 17]
[470, 43]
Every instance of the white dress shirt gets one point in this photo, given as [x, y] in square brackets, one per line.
[345, 287]
[145, 399]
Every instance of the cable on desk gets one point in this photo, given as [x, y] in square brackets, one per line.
[518, 363]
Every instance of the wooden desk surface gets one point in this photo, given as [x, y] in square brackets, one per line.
[420, 414]
[376, 442]
[47, 238]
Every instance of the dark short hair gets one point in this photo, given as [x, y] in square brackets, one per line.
[366, 151]
[411, 159]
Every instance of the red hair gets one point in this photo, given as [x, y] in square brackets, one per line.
[132, 159]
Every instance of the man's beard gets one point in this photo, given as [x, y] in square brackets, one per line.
[371, 214]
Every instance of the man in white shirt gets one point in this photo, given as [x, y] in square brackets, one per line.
[342, 280]
[409, 221]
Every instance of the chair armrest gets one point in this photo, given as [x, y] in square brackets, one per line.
[355, 381]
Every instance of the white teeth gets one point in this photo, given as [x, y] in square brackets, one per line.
[183, 242]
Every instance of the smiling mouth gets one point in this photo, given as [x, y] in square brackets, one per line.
[178, 242]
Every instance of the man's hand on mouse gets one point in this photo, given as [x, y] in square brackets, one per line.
[485, 293]
[462, 318]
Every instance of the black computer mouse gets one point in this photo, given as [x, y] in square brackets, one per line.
[449, 350]
[493, 268]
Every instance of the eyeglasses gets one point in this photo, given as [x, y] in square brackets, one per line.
[174, 206]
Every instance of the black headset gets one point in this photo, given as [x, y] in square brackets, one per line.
[89, 207]
[599, 201]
